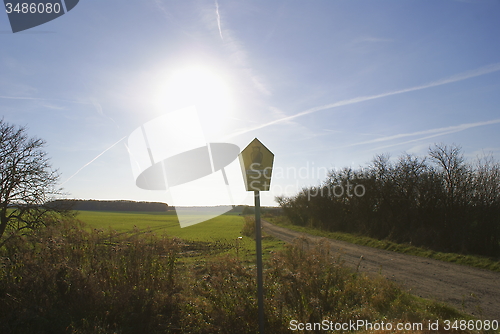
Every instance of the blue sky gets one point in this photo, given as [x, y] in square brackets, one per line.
[323, 84]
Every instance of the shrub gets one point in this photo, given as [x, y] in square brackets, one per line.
[249, 227]
[67, 279]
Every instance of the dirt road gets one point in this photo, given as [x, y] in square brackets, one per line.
[476, 291]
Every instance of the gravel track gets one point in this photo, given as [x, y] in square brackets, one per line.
[473, 290]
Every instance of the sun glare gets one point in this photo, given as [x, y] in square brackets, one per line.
[204, 89]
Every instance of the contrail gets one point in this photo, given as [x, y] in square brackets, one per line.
[40, 99]
[428, 133]
[218, 18]
[455, 78]
[91, 161]
[92, 102]
[98, 107]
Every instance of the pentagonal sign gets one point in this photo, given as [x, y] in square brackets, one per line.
[256, 163]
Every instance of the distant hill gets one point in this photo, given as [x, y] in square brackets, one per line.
[96, 205]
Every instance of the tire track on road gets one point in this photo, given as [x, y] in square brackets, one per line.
[473, 290]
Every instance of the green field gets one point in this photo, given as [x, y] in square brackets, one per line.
[227, 226]
[224, 230]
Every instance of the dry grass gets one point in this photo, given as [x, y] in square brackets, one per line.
[249, 226]
[68, 280]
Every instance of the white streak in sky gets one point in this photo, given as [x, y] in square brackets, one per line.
[91, 161]
[98, 107]
[455, 78]
[163, 8]
[237, 52]
[218, 18]
[93, 102]
[430, 133]
[427, 133]
[39, 99]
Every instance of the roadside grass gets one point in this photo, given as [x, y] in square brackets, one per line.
[69, 279]
[470, 260]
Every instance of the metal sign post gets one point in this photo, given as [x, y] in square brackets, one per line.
[256, 165]
[258, 246]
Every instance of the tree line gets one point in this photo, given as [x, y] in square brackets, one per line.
[440, 201]
[119, 205]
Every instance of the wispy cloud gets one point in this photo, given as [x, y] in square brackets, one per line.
[172, 18]
[91, 161]
[92, 101]
[235, 48]
[53, 106]
[376, 39]
[41, 99]
[100, 111]
[427, 134]
[372, 40]
[218, 18]
[163, 8]
[430, 133]
[455, 78]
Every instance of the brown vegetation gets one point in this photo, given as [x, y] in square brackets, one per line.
[65, 279]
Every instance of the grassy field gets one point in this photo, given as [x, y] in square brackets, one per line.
[222, 232]
[225, 226]
[111, 275]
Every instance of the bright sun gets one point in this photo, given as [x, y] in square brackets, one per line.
[204, 89]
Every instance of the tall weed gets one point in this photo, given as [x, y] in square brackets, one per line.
[67, 279]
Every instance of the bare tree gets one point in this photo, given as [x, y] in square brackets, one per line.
[27, 182]
[487, 182]
[456, 173]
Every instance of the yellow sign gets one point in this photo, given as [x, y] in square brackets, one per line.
[256, 163]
